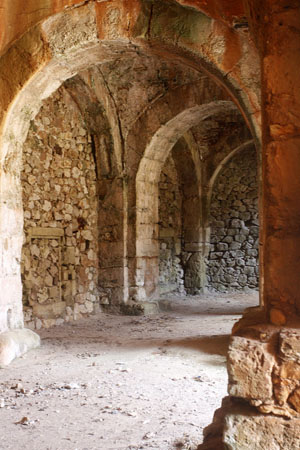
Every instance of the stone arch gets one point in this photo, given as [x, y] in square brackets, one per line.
[179, 217]
[63, 48]
[105, 237]
[22, 110]
[147, 195]
[89, 97]
[243, 146]
[60, 254]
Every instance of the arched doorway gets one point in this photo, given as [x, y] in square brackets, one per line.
[60, 252]
[232, 263]
[195, 211]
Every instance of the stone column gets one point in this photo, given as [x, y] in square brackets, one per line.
[263, 410]
[281, 159]
[195, 280]
[144, 255]
[11, 227]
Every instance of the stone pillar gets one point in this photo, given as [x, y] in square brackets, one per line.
[195, 280]
[11, 227]
[196, 236]
[14, 339]
[263, 410]
[145, 263]
[281, 159]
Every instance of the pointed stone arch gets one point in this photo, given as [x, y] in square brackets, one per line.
[147, 179]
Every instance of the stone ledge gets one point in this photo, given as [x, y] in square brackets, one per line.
[16, 343]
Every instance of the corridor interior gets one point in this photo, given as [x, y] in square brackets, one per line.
[149, 224]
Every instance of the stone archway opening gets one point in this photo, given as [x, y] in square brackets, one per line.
[180, 227]
[174, 186]
[72, 258]
[170, 233]
[147, 179]
[233, 260]
[59, 190]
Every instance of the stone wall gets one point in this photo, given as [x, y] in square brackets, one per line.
[233, 258]
[170, 230]
[60, 255]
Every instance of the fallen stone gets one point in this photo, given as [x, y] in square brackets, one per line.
[71, 386]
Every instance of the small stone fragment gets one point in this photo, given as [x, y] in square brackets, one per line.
[24, 421]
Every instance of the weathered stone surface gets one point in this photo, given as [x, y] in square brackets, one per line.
[289, 342]
[261, 432]
[294, 399]
[63, 34]
[290, 370]
[280, 395]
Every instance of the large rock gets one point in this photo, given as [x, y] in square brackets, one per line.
[15, 343]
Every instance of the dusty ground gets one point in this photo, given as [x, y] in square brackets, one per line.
[122, 382]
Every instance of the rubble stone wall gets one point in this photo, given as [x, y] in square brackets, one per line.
[233, 258]
[170, 230]
[60, 254]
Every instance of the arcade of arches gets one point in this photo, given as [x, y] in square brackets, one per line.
[149, 148]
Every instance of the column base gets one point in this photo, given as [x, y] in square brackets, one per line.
[263, 410]
[16, 343]
[238, 426]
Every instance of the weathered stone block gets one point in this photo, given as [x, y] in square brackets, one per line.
[261, 432]
[52, 311]
[69, 255]
[250, 368]
[289, 344]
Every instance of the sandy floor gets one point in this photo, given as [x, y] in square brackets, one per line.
[122, 382]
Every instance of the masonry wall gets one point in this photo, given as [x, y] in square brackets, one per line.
[60, 255]
[233, 259]
[170, 230]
